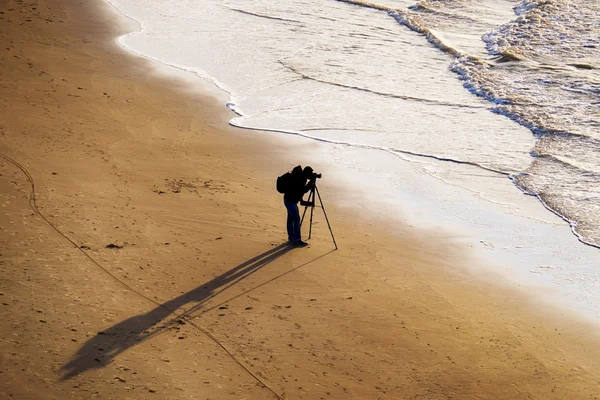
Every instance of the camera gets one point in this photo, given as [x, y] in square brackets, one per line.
[315, 176]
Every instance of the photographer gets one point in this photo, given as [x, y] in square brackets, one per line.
[295, 188]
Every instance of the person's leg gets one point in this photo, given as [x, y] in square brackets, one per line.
[296, 218]
[294, 225]
[293, 221]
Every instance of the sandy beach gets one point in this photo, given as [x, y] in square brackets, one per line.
[143, 255]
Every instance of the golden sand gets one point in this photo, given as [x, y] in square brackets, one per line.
[150, 263]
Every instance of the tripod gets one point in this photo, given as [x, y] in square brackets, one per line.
[312, 205]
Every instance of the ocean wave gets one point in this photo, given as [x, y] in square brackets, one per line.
[410, 19]
[379, 93]
[553, 31]
[542, 74]
[535, 75]
[239, 123]
[271, 17]
[567, 191]
[585, 236]
[431, 7]
[535, 90]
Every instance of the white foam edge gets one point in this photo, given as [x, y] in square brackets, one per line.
[198, 73]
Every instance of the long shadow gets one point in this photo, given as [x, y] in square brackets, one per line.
[101, 349]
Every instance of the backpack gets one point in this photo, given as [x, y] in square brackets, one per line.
[284, 182]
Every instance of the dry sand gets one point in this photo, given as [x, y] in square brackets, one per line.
[150, 264]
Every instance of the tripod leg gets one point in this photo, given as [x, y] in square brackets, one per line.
[303, 214]
[310, 196]
[326, 219]
[311, 212]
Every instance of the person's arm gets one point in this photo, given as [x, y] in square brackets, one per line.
[308, 186]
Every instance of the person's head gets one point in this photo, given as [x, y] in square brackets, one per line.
[297, 170]
[307, 172]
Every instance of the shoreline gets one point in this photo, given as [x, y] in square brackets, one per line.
[122, 156]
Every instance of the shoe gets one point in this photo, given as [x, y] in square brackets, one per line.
[300, 243]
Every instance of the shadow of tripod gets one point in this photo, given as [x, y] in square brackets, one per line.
[312, 204]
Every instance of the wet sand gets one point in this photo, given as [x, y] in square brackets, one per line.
[150, 263]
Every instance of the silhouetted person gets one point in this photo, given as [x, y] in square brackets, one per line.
[299, 183]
